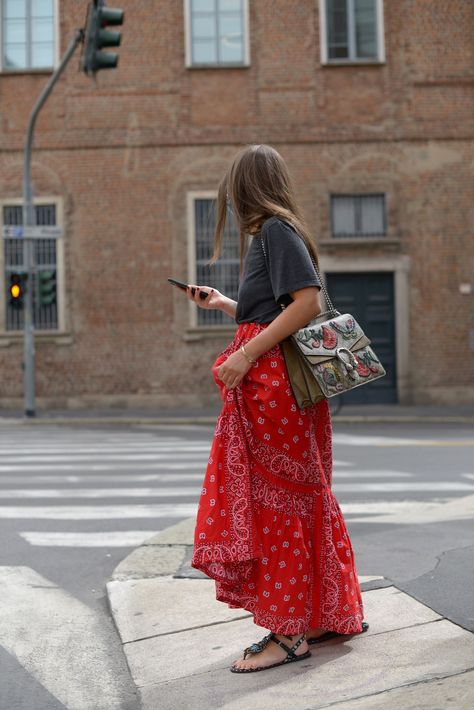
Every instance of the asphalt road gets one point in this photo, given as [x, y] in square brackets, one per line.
[74, 501]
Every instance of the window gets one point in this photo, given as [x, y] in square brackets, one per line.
[351, 31]
[27, 34]
[224, 274]
[358, 216]
[216, 33]
[45, 309]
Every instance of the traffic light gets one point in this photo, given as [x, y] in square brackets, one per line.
[46, 288]
[97, 37]
[17, 290]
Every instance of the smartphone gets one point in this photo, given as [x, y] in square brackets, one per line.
[184, 286]
[180, 284]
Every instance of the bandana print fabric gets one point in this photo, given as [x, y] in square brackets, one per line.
[269, 530]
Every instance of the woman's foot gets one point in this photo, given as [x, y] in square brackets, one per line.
[272, 653]
[315, 633]
[319, 635]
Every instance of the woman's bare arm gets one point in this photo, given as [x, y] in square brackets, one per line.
[306, 305]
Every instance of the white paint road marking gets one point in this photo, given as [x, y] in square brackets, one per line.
[87, 449]
[166, 477]
[109, 478]
[42, 458]
[106, 467]
[58, 639]
[417, 513]
[99, 512]
[357, 440]
[384, 487]
[388, 486]
[100, 492]
[159, 465]
[394, 512]
[78, 436]
[119, 538]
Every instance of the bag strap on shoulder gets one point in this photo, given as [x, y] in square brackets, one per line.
[327, 298]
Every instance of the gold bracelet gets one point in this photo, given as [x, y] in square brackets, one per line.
[247, 356]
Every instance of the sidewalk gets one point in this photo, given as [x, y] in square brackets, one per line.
[350, 413]
[179, 643]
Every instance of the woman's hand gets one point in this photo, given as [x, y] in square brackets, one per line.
[214, 300]
[234, 369]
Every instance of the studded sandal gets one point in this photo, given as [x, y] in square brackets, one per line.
[258, 647]
[333, 634]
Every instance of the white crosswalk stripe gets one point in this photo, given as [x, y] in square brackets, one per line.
[92, 466]
[169, 477]
[97, 512]
[105, 473]
[117, 538]
[195, 491]
[59, 640]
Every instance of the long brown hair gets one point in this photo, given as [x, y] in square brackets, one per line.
[259, 186]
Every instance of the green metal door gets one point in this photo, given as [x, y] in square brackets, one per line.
[369, 297]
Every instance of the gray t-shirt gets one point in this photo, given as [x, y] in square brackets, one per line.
[264, 285]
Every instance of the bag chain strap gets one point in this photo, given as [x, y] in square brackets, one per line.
[323, 287]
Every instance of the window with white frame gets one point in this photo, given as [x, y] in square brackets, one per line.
[224, 274]
[358, 216]
[27, 34]
[351, 30]
[45, 258]
[216, 33]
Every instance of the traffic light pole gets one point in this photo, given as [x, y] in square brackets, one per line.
[29, 220]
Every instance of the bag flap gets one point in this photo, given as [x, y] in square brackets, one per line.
[319, 342]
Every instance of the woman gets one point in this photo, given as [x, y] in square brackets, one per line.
[269, 530]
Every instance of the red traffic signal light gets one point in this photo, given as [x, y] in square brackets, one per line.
[17, 290]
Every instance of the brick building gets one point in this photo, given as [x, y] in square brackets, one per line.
[371, 104]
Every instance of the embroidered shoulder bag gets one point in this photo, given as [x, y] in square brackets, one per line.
[328, 356]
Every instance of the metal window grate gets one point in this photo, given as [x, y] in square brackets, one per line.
[224, 274]
[351, 29]
[45, 317]
[358, 216]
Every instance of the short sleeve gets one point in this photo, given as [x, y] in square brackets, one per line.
[288, 259]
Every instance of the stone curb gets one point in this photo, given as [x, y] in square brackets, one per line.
[176, 421]
[164, 559]
[168, 553]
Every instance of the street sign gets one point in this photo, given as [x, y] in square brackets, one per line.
[39, 232]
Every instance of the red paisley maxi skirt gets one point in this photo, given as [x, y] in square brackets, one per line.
[269, 530]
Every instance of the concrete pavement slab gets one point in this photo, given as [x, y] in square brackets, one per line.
[149, 607]
[452, 693]
[150, 561]
[206, 647]
[179, 655]
[337, 672]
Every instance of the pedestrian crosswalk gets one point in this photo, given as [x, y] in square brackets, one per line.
[77, 496]
[61, 642]
[112, 490]
[97, 478]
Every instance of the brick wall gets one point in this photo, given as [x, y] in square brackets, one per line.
[123, 153]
